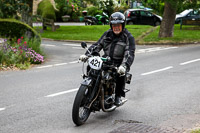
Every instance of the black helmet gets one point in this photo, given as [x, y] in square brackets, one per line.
[117, 18]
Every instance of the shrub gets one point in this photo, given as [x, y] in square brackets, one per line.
[107, 6]
[121, 9]
[92, 11]
[46, 10]
[10, 28]
[20, 54]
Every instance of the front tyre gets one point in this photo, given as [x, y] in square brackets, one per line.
[79, 112]
[157, 23]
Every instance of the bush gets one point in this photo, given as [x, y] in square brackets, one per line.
[21, 53]
[92, 11]
[107, 6]
[121, 9]
[12, 29]
[46, 10]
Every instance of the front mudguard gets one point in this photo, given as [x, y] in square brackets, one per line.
[87, 81]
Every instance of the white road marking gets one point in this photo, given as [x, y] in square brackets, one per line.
[1, 109]
[45, 66]
[49, 45]
[188, 62]
[74, 45]
[60, 64]
[77, 48]
[61, 93]
[159, 70]
[73, 62]
[154, 49]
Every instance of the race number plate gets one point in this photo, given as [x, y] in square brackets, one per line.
[95, 62]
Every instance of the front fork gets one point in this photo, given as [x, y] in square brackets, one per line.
[93, 91]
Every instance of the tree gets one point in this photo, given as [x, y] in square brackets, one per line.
[167, 25]
[107, 6]
[156, 5]
[11, 9]
[68, 7]
[169, 9]
[171, 6]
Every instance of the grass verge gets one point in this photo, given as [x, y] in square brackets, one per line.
[88, 33]
[189, 34]
[143, 34]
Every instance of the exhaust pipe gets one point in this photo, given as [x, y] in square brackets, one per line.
[102, 103]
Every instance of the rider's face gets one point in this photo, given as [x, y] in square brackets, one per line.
[117, 28]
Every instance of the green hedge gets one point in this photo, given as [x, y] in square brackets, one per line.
[11, 28]
[46, 10]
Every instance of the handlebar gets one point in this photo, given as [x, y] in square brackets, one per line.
[109, 66]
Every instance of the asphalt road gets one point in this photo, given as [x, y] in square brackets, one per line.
[164, 92]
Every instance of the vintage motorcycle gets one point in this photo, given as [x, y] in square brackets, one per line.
[97, 91]
[97, 20]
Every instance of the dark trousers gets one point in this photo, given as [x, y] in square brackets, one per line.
[120, 86]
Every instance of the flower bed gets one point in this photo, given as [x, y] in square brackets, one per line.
[18, 54]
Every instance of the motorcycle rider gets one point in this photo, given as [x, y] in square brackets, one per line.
[118, 44]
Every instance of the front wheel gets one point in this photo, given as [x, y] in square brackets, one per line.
[157, 23]
[79, 112]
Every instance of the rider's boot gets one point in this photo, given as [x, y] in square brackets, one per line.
[118, 100]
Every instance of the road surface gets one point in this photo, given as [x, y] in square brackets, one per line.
[165, 93]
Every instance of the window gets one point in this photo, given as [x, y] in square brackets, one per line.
[146, 14]
[134, 13]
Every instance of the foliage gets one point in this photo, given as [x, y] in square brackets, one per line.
[10, 28]
[20, 54]
[196, 131]
[46, 10]
[158, 5]
[93, 2]
[68, 7]
[92, 11]
[10, 8]
[187, 4]
[107, 6]
[121, 9]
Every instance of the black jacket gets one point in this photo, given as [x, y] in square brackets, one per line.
[121, 49]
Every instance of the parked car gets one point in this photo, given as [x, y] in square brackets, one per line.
[188, 14]
[142, 17]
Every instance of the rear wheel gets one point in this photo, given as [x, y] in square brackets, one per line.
[79, 112]
[87, 23]
[130, 23]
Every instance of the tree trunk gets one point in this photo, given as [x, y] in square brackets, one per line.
[167, 25]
